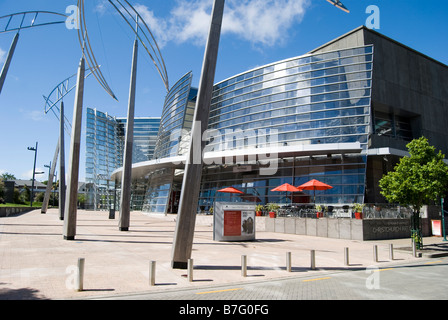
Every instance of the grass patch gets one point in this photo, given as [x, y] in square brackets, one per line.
[26, 204]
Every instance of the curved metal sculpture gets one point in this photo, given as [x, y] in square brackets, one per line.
[87, 51]
[17, 22]
[59, 92]
[338, 4]
[144, 35]
[10, 20]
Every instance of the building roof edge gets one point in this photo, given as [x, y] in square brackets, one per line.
[380, 35]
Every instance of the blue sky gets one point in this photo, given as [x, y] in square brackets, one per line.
[255, 32]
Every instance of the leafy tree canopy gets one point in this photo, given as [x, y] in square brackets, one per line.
[7, 176]
[418, 179]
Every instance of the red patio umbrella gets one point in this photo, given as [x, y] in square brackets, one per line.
[315, 185]
[287, 188]
[231, 190]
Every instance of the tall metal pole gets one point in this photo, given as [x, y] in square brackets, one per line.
[184, 233]
[8, 61]
[50, 181]
[70, 212]
[125, 201]
[61, 164]
[34, 173]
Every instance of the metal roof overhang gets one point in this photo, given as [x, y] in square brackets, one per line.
[142, 169]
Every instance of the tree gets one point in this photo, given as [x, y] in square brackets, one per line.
[417, 180]
[7, 176]
[2, 191]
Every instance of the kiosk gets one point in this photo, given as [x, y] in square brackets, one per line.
[233, 221]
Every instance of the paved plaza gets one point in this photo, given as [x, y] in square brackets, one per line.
[36, 263]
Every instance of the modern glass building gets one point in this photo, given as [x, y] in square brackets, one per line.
[176, 120]
[316, 105]
[341, 114]
[164, 184]
[104, 153]
[321, 100]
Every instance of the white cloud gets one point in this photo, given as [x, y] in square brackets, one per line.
[35, 115]
[101, 7]
[265, 22]
[158, 27]
[190, 21]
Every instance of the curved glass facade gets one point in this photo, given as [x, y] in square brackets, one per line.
[176, 120]
[163, 187]
[314, 99]
[321, 98]
[317, 99]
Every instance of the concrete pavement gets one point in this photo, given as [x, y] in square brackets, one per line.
[36, 263]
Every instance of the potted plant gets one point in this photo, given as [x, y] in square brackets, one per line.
[259, 210]
[319, 211]
[357, 207]
[272, 208]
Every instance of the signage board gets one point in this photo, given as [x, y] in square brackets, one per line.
[246, 168]
[436, 226]
[234, 221]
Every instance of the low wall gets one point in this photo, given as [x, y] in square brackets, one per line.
[351, 229]
[339, 228]
[336, 228]
[10, 211]
[344, 228]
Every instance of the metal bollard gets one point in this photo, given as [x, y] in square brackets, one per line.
[391, 251]
[244, 266]
[313, 260]
[288, 261]
[375, 253]
[190, 270]
[111, 213]
[152, 273]
[414, 248]
[346, 257]
[80, 280]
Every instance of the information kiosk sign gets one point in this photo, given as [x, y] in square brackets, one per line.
[234, 221]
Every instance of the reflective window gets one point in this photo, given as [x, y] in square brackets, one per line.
[104, 153]
[176, 118]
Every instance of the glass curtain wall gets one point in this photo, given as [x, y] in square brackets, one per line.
[104, 153]
[145, 137]
[176, 120]
[315, 99]
[173, 139]
[309, 100]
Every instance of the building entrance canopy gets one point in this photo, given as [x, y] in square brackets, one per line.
[268, 156]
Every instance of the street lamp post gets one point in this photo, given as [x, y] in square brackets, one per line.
[34, 172]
